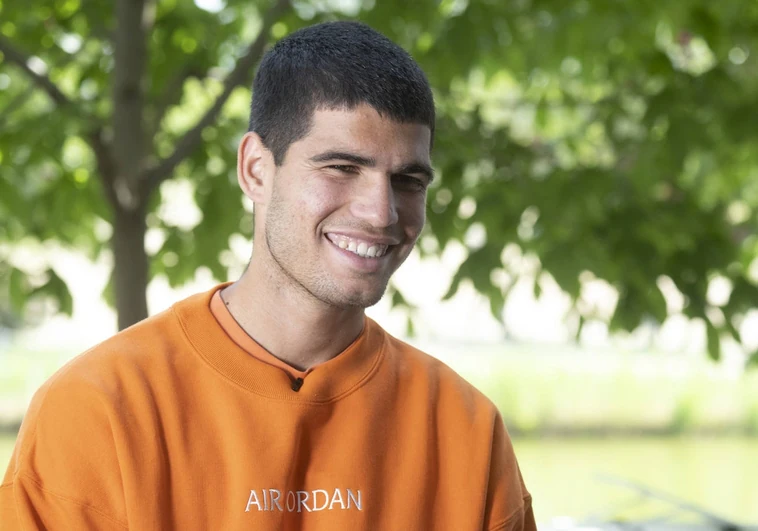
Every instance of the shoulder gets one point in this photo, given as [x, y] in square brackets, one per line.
[94, 382]
[446, 388]
[132, 350]
[469, 429]
[81, 404]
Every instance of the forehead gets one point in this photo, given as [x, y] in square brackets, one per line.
[362, 130]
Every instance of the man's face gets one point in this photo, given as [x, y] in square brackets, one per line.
[347, 205]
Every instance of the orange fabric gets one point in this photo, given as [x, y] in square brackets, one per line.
[171, 425]
[247, 343]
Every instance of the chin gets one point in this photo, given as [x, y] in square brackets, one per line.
[357, 299]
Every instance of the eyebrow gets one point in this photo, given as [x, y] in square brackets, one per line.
[417, 167]
[370, 162]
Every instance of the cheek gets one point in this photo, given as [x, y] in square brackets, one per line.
[412, 212]
[321, 199]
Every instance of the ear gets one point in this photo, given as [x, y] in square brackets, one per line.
[255, 166]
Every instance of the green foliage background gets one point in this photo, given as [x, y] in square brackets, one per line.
[610, 140]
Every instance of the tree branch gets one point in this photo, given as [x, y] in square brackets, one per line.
[106, 165]
[20, 59]
[171, 95]
[189, 142]
[15, 103]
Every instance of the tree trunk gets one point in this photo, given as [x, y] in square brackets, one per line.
[130, 260]
[129, 266]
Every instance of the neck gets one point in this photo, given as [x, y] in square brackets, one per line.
[289, 322]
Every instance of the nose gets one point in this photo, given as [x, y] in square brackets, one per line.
[375, 202]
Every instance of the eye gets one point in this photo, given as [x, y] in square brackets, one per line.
[344, 168]
[409, 182]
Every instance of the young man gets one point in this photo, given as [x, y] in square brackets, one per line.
[274, 402]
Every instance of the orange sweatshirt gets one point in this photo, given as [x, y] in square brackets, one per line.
[170, 424]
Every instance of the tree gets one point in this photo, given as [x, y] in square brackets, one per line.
[607, 140]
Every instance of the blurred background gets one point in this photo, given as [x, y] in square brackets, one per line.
[591, 255]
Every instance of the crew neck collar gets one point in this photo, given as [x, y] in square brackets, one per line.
[327, 382]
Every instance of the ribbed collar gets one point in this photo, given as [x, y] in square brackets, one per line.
[328, 382]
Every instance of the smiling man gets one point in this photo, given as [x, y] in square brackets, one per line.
[274, 402]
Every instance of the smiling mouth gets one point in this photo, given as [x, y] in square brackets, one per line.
[364, 249]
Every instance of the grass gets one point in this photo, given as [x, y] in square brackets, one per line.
[605, 393]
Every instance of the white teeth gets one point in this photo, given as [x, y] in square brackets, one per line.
[363, 249]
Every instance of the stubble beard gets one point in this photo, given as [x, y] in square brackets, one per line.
[304, 276]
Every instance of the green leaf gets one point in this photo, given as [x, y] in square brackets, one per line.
[398, 300]
[56, 289]
[714, 341]
[410, 329]
[18, 290]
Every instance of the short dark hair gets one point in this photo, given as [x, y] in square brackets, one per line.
[330, 66]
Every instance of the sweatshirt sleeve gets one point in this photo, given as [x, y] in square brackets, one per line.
[64, 470]
[509, 504]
